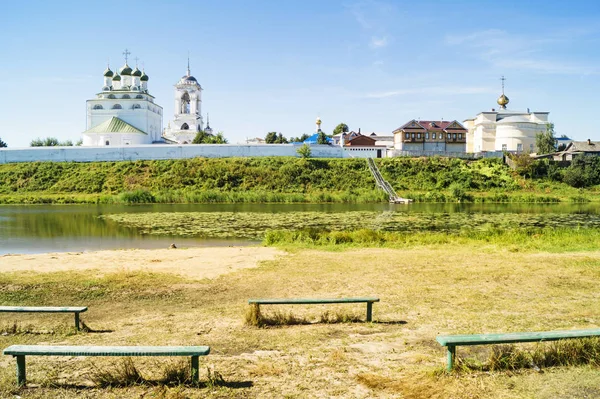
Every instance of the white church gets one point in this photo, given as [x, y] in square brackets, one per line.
[504, 129]
[124, 112]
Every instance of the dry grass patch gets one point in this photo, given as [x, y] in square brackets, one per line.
[424, 292]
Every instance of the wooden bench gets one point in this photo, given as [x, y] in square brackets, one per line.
[20, 351]
[308, 301]
[452, 341]
[46, 309]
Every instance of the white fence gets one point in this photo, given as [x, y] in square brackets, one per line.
[159, 151]
[170, 151]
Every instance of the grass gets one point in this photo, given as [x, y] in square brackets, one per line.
[425, 290]
[276, 180]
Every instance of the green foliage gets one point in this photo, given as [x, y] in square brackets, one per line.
[206, 138]
[299, 139]
[322, 138]
[137, 197]
[50, 142]
[304, 151]
[271, 137]
[546, 142]
[583, 172]
[2, 143]
[283, 179]
[341, 128]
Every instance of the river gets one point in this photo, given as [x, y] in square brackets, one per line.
[27, 229]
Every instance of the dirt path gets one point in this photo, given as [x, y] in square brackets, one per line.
[192, 262]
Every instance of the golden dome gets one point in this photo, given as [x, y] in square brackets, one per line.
[502, 101]
[318, 120]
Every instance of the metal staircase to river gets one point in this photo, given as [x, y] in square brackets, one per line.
[384, 185]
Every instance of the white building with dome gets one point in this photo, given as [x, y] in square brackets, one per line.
[504, 129]
[187, 121]
[124, 112]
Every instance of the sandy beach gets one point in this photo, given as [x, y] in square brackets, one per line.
[195, 263]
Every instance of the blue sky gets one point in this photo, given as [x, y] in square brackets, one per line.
[277, 65]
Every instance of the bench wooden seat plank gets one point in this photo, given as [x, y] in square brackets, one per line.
[317, 301]
[43, 309]
[292, 301]
[20, 351]
[46, 309]
[452, 341]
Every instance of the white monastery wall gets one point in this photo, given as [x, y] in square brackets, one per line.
[166, 151]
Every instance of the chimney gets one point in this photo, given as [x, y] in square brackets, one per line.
[589, 142]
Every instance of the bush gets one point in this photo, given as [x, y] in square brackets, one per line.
[137, 197]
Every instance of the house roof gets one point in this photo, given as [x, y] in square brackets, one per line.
[313, 139]
[432, 126]
[114, 125]
[584, 146]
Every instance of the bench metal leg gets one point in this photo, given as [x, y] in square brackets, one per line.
[195, 368]
[369, 311]
[451, 355]
[77, 321]
[21, 379]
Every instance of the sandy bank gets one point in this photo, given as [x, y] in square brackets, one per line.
[191, 262]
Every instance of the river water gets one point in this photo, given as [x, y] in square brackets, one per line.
[27, 229]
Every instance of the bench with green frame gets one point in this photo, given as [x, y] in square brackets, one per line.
[46, 309]
[20, 351]
[309, 301]
[452, 341]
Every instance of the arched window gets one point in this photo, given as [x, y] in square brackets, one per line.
[139, 96]
[117, 106]
[125, 96]
[185, 127]
[98, 106]
[136, 106]
[111, 96]
[185, 103]
[107, 142]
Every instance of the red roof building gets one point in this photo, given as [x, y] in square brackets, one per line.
[431, 136]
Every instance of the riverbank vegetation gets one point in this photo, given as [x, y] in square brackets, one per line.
[552, 232]
[425, 291]
[295, 180]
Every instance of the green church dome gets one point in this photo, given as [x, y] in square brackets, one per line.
[108, 73]
[126, 70]
[117, 77]
[136, 72]
[144, 77]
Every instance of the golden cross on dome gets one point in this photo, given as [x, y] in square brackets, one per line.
[502, 79]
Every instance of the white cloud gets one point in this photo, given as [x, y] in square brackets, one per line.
[504, 50]
[432, 90]
[378, 42]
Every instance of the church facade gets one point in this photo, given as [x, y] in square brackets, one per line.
[504, 129]
[123, 112]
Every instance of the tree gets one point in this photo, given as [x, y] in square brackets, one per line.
[304, 151]
[299, 139]
[50, 142]
[341, 128]
[2, 143]
[281, 139]
[205, 138]
[546, 142]
[271, 138]
[322, 138]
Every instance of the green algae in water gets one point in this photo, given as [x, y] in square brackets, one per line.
[254, 225]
